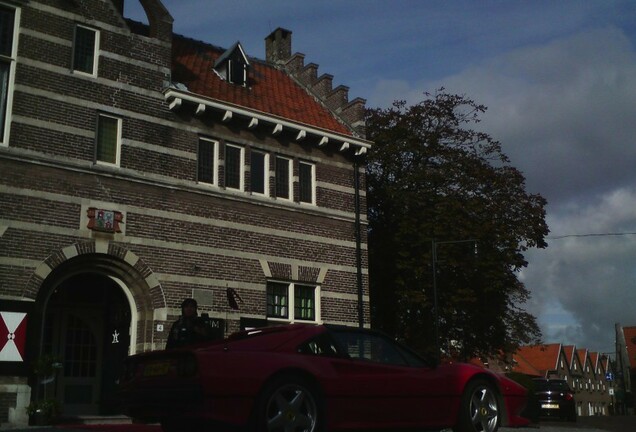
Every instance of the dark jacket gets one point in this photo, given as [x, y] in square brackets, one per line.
[187, 331]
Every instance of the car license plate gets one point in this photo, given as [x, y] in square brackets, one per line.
[550, 406]
[156, 369]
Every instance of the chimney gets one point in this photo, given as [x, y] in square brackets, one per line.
[278, 46]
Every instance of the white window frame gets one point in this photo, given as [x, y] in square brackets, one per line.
[291, 307]
[4, 139]
[231, 65]
[266, 174]
[241, 187]
[215, 162]
[95, 51]
[117, 144]
[313, 183]
[290, 178]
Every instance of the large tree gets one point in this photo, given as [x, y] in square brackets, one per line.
[436, 183]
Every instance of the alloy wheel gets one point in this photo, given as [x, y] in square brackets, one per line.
[291, 408]
[484, 410]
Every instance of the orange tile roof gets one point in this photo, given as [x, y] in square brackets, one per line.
[523, 366]
[630, 342]
[542, 358]
[607, 364]
[569, 351]
[270, 90]
[594, 358]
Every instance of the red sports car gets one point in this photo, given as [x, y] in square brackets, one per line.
[310, 378]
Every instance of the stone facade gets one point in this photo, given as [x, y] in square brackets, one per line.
[106, 249]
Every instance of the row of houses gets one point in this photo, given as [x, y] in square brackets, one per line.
[586, 373]
[591, 375]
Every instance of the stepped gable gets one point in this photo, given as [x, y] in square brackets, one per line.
[278, 51]
[268, 90]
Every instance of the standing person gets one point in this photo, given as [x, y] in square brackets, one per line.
[189, 328]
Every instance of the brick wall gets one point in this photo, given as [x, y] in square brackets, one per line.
[47, 173]
[7, 400]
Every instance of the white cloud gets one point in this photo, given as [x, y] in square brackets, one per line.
[564, 112]
[591, 278]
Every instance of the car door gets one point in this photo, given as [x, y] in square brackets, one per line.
[381, 384]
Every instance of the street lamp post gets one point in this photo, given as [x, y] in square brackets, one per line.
[434, 244]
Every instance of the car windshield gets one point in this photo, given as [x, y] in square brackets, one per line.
[551, 385]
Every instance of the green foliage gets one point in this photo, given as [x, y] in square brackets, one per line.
[44, 368]
[47, 408]
[45, 365]
[431, 177]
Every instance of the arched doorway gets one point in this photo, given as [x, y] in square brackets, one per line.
[95, 303]
[87, 327]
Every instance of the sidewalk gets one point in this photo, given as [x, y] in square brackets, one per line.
[90, 428]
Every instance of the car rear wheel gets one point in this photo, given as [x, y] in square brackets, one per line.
[479, 410]
[288, 404]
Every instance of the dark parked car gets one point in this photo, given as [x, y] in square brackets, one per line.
[310, 378]
[555, 398]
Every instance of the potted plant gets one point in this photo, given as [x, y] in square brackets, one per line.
[43, 409]
[43, 412]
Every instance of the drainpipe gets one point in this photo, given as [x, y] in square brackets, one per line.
[356, 185]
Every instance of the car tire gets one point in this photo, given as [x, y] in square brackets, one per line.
[572, 417]
[479, 410]
[288, 403]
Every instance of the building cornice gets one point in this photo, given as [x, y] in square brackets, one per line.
[176, 99]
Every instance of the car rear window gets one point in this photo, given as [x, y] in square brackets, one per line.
[551, 385]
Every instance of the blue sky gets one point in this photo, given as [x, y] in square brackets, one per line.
[559, 78]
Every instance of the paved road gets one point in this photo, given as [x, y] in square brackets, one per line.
[584, 424]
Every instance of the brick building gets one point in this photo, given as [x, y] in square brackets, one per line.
[138, 168]
[626, 366]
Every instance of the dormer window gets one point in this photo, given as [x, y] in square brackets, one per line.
[236, 72]
[232, 65]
